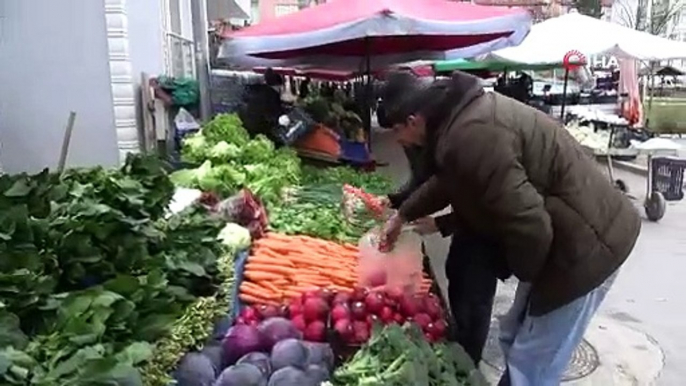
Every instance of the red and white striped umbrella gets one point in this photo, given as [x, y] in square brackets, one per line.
[388, 30]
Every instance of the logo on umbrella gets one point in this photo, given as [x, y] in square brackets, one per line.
[573, 59]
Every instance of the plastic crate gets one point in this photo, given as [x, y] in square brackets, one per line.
[354, 152]
[668, 177]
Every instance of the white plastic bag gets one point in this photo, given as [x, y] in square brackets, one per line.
[185, 122]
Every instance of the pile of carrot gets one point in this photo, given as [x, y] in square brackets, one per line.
[281, 267]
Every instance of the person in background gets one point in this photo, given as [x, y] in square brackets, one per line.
[472, 278]
[513, 174]
[304, 90]
[263, 105]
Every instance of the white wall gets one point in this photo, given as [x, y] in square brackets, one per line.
[54, 59]
[145, 37]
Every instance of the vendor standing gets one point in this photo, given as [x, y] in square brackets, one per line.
[511, 172]
[263, 106]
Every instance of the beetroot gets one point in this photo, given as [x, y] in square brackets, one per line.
[358, 311]
[374, 302]
[299, 322]
[340, 311]
[315, 332]
[310, 294]
[241, 320]
[395, 294]
[422, 320]
[398, 318]
[344, 328]
[315, 308]
[372, 319]
[341, 297]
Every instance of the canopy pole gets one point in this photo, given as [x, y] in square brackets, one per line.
[368, 91]
[564, 95]
[202, 63]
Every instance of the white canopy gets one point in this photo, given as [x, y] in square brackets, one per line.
[548, 42]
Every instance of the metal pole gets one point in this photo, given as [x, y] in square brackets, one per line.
[564, 96]
[202, 66]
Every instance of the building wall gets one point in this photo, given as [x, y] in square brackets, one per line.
[53, 61]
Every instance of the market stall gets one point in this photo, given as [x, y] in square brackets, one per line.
[244, 271]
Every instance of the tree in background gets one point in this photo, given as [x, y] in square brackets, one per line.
[592, 8]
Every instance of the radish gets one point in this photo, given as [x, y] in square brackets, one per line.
[422, 320]
[439, 328]
[249, 313]
[299, 322]
[267, 312]
[360, 293]
[344, 328]
[326, 294]
[398, 318]
[361, 331]
[359, 311]
[340, 311]
[433, 308]
[310, 294]
[372, 319]
[429, 338]
[386, 315]
[395, 294]
[240, 320]
[315, 332]
[377, 278]
[374, 302]
[341, 297]
[409, 306]
[295, 309]
[315, 309]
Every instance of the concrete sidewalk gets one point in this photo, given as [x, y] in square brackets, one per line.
[619, 352]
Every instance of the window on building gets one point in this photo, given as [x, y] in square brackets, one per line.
[285, 9]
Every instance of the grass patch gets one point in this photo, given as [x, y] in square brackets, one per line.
[668, 115]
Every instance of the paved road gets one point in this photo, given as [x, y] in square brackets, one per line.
[647, 296]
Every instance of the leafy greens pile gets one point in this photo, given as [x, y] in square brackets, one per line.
[399, 356]
[316, 210]
[92, 274]
[229, 160]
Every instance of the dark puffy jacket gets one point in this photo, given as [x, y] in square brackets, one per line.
[516, 175]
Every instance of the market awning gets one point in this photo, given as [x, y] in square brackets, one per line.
[359, 28]
[490, 65]
[314, 73]
[551, 40]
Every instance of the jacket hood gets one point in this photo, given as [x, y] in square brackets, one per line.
[450, 97]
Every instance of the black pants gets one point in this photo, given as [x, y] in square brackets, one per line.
[472, 282]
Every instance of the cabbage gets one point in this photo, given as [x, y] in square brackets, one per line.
[195, 369]
[241, 340]
[317, 374]
[319, 354]
[260, 149]
[241, 375]
[259, 360]
[277, 329]
[235, 236]
[215, 353]
[290, 376]
[289, 352]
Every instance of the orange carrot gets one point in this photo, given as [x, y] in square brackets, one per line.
[256, 300]
[259, 276]
[270, 268]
